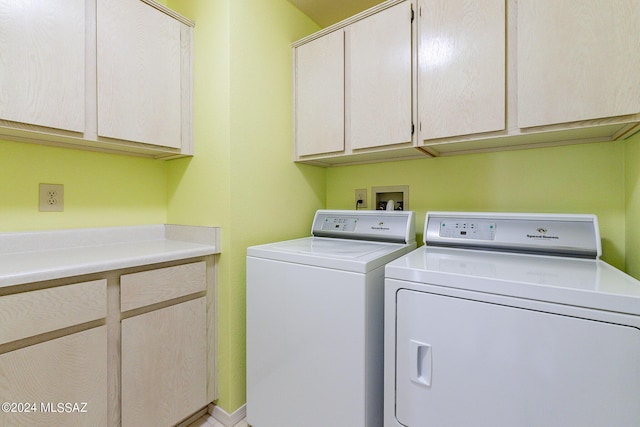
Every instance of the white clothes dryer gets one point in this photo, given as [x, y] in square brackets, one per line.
[315, 321]
[510, 320]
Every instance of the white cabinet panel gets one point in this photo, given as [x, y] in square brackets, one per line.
[461, 362]
[139, 73]
[304, 340]
[164, 364]
[319, 98]
[577, 60]
[461, 67]
[28, 314]
[163, 284]
[71, 369]
[379, 78]
[42, 63]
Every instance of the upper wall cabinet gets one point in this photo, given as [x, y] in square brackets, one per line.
[577, 60]
[487, 76]
[42, 63]
[571, 73]
[320, 95]
[105, 75]
[353, 91]
[139, 69]
[379, 59]
[461, 67]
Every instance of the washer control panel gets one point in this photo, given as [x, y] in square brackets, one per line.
[382, 226]
[477, 230]
[339, 224]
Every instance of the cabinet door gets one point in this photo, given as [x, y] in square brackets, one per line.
[139, 69]
[461, 67]
[461, 362]
[65, 378]
[577, 60]
[164, 365]
[42, 62]
[379, 78]
[319, 95]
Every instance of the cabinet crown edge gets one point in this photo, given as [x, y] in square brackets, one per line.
[345, 22]
[164, 9]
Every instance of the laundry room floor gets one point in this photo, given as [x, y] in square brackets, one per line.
[209, 421]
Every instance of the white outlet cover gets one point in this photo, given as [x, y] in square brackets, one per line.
[51, 198]
[361, 194]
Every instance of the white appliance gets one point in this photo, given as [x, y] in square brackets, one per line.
[315, 321]
[510, 320]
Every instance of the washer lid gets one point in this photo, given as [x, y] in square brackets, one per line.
[340, 254]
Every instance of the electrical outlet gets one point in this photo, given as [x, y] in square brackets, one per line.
[51, 198]
[361, 194]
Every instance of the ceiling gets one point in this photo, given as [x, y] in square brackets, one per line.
[328, 12]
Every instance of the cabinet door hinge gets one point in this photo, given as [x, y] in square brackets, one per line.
[413, 128]
[412, 14]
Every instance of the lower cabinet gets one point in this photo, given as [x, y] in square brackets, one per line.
[129, 348]
[53, 356]
[164, 361]
[61, 382]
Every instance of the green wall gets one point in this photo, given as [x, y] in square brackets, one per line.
[99, 189]
[632, 197]
[586, 178]
[242, 177]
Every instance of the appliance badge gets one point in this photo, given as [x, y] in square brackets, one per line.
[380, 226]
[542, 235]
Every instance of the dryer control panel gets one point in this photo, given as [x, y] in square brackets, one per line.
[549, 234]
[478, 230]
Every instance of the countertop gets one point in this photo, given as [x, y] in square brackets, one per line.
[34, 256]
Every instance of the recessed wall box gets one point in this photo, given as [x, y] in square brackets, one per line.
[395, 195]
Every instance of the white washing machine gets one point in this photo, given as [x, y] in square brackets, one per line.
[510, 320]
[315, 321]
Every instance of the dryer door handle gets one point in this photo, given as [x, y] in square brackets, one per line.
[420, 362]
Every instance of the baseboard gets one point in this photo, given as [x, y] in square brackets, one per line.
[229, 420]
[193, 418]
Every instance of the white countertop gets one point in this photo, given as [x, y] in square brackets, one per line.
[27, 257]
